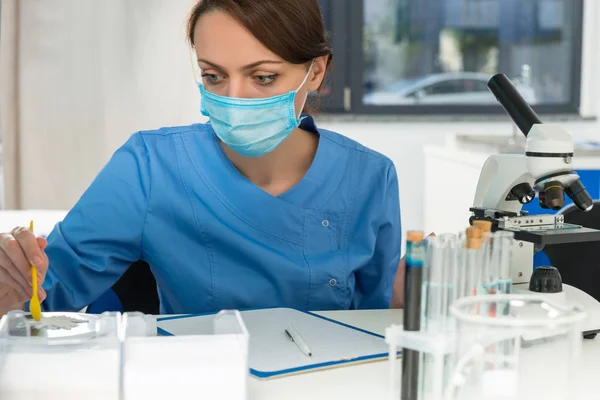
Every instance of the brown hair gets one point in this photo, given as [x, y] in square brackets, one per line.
[292, 29]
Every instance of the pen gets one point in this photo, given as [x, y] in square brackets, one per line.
[296, 338]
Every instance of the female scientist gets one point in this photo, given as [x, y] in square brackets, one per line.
[258, 208]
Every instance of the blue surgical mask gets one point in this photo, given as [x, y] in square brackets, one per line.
[252, 127]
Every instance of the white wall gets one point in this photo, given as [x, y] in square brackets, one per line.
[88, 74]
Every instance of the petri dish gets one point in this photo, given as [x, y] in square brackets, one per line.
[57, 325]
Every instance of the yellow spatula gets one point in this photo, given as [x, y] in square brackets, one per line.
[34, 304]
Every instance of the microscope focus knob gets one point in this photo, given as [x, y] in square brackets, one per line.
[545, 280]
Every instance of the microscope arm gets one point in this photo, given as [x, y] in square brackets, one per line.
[504, 179]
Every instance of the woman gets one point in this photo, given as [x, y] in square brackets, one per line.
[258, 208]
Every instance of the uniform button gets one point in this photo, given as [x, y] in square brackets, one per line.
[332, 282]
[325, 223]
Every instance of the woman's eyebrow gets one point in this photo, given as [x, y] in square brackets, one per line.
[244, 68]
[257, 63]
[217, 66]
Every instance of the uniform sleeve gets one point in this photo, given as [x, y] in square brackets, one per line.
[101, 236]
[374, 281]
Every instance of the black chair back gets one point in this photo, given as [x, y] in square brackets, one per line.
[137, 289]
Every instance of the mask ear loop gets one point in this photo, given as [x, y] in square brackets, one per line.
[197, 72]
[302, 84]
[195, 67]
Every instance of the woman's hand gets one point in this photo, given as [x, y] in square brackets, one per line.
[398, 286]
[18, 251]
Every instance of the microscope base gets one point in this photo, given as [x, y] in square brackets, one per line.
[590, 305]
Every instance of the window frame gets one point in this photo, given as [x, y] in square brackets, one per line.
[347, 27]
[337, 25]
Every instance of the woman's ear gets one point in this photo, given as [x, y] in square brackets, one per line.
[319, 69]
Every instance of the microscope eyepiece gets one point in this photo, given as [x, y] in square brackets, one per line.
[579, 195]
[515, 105]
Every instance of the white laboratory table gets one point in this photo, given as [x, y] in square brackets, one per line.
[371, 381]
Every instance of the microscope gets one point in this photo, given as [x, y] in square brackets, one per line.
[508, 181]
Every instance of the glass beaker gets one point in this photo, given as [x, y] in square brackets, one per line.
[527, 353]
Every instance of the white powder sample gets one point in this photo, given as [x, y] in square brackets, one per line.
[57, 322]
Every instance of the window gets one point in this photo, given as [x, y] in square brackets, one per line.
[436, 56]
[336, 18]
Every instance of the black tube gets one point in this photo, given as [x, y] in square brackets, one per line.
[412, 322]
[514, 104]
[413, 283]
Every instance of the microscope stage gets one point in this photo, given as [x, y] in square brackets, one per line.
[566, 233]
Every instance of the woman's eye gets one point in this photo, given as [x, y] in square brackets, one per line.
[211, 78]
[265, 79]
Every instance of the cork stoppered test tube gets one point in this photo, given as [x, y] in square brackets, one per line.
[473, 245]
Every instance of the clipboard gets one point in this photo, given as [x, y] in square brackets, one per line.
[273, 355]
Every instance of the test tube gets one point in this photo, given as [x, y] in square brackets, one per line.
[502, 249]
[439, 281]
[487, 280]
[412, 312]
[486, 274]
[461, 276]
[472, 259]
[449, 243]
[433, 282]
[430, 304]
[502, 242]
[439, 276]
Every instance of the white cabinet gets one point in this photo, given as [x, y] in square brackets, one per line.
[451, 177]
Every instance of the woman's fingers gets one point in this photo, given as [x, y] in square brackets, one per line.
[12, 276]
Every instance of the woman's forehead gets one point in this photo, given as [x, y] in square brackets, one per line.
[221, 39]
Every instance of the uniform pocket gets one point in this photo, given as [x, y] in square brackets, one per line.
[327, 263]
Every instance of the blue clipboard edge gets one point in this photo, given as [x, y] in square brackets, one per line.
[306, 368]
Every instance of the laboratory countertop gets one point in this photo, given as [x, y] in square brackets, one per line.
[516, 144]
[371, 381]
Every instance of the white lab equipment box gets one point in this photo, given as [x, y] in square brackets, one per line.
[119, 356]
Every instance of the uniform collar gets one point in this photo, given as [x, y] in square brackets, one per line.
[259, 207]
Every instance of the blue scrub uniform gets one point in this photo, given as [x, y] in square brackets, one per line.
[214, 240]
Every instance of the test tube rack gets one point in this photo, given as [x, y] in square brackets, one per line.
[436, 347]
